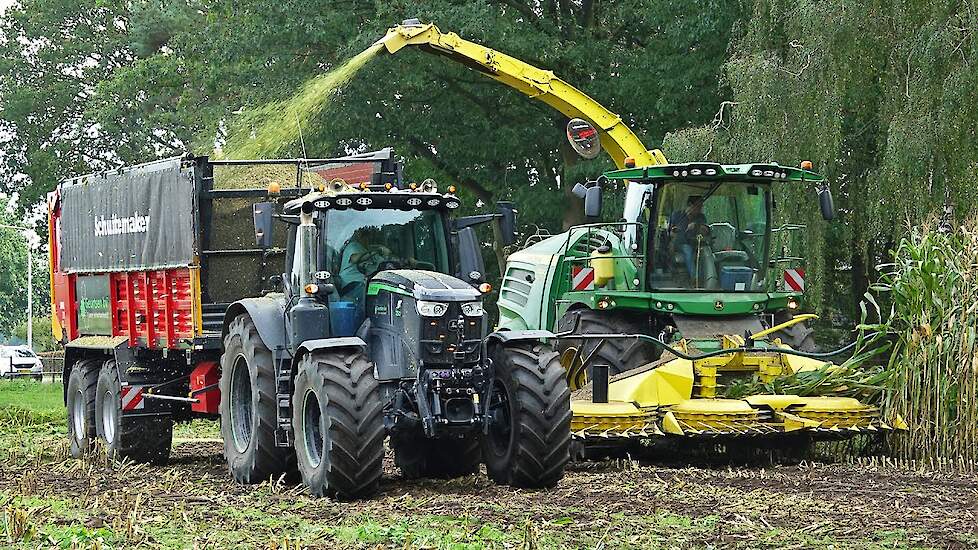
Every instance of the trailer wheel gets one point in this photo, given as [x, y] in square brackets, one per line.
[80, 404]
[528, 443]
[338, 414]
[445, 458]
[137, 438]
[248, 407]
[619, 354]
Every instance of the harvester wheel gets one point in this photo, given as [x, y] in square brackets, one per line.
[528, 443]
[248, 408]
[80, 402]
[144, 439]
[799, 336]
[338, 414]
[619, 354]
[445, 458]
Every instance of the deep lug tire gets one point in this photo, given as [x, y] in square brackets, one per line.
[619, 354]
[799, 336]
[144, 439]
[248, 408]
[445, 458]
[528, 444]
[338, 415]
[80, 404]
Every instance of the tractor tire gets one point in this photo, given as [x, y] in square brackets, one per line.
[338, 415]
[143, 439]
[445, 458]
[620, 355]
[248, 407]
[528, 444]
[799, 336]
[80, 404]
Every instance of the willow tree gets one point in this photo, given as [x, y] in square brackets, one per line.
[880, 95]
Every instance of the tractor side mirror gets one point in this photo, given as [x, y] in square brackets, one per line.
[471, 266]
[263, 212]
[826, 203]
[507, 221]
[592, 202]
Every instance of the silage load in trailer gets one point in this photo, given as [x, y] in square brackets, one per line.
[139, 219]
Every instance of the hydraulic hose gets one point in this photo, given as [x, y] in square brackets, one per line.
[727, 351]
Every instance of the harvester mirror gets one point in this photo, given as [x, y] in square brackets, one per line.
[826, 203]
[583, 138]
[264, 212]
[507, 222]
[471, 265]
[592, 202]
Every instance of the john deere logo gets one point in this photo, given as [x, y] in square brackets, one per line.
[718, 305]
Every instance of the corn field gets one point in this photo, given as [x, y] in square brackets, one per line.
[933, 286]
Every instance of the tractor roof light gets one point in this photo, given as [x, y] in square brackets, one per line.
[792, 303]
[806, 165]
[629, 162]
[274, 188]
[485, 288]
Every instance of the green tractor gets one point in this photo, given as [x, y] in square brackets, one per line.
[659, 313]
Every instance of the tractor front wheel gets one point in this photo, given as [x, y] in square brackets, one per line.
[528, 444]
[338, 415]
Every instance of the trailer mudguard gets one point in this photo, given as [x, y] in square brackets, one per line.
[268, 314]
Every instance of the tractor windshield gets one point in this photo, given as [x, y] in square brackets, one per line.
[709, 236]
[361, 243]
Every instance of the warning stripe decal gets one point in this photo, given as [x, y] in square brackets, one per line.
[582, 278]
[132, 398]
[794, 279]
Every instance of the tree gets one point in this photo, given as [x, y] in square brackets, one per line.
[880, 96]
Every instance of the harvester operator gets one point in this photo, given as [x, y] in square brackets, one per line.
[685, 226]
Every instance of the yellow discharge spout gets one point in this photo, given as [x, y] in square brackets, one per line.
[616, 138]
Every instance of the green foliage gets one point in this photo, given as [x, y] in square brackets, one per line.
[880, 95]
[166, 77]
[13, 277]
[43, 337]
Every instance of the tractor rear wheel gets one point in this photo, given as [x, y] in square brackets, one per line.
[248, 408]
[445, 458]
[619, 354]
[338, 415]
[145, 439]
[80, 403]
[528, 444]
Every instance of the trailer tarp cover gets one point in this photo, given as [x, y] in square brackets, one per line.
[138, 219]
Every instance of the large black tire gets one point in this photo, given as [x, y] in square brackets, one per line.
[444, 458]
[145, 439]
[528, 444]
[619, 354]
[80, 404]
[338, 415]
[799, 336]
[248, 407]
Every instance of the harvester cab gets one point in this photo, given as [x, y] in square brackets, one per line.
[379, 329]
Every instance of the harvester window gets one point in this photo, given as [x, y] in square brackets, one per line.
[710, 236]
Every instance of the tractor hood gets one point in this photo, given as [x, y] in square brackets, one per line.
[424, 285]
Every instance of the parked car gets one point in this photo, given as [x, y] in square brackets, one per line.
[20, 361]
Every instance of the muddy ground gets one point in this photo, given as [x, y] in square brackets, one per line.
[612, 504]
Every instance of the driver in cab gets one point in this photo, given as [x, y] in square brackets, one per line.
[685, 226]
[362, 256]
